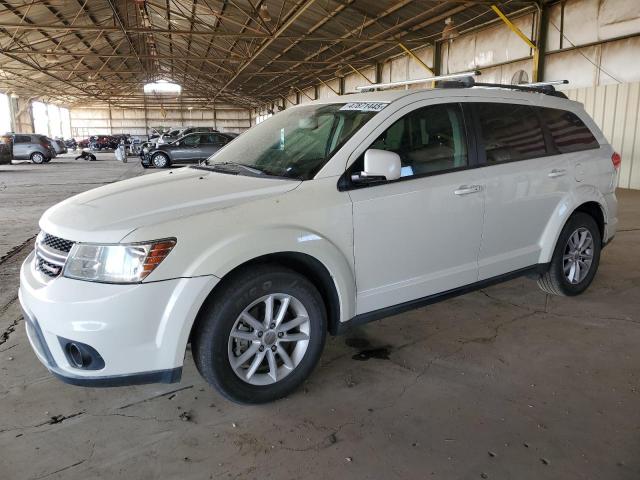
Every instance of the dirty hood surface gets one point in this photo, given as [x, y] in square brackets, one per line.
[109, 213]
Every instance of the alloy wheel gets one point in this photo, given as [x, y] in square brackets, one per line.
[269, 339]
[578, 255]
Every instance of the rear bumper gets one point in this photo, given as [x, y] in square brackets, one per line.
[140, 331]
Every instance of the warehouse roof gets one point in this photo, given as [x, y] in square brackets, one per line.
[228, 51]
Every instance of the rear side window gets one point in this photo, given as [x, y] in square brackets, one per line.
[568, 132]
[22, 139]
[510, 132]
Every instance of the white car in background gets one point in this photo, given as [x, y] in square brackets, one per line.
[327, 215]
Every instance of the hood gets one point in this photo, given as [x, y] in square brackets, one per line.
[107, 214]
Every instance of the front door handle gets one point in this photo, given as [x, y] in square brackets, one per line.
[557, 172]
[467, 189]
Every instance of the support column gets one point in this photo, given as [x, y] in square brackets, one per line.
[437, 58]
[525, 39]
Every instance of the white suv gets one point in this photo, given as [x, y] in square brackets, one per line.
[329, 214]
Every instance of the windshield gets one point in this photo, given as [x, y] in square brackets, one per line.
[295, 143]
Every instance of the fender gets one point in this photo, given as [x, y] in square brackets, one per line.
[222, 257]
[580, 195]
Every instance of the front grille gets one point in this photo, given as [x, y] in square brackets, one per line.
[51, 254]
[57, 243]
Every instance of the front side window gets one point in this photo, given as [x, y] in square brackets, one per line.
[191, 140]
[428, 140]
[510, 132]
[568, 132]
[295, 143]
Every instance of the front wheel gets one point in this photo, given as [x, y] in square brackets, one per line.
[575, 258]
[261, 335]
[160, 160]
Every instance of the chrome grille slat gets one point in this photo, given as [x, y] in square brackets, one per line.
[51, 254]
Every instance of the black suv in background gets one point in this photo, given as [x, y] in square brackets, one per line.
[192, 148]
[6, 148]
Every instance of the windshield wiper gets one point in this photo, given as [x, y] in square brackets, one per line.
[253, 170]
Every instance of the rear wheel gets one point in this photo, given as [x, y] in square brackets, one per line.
[160, 160]
[575, 259]
[37, 157]
[261, 336]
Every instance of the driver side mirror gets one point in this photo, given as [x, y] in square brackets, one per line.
[379, 165]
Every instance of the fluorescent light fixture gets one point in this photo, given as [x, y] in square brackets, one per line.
[162, 86]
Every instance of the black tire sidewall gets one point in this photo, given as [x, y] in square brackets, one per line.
[576, 221]
[212, 335]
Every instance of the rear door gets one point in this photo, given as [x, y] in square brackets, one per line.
[20, 146]
[525, 182]
[208, 145]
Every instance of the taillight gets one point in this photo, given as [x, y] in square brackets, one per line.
[616, 159]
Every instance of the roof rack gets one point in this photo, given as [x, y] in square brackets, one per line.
[383, 86]
[467, 80]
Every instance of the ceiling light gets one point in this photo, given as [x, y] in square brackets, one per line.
[449, 32]
[162, 86]
[264, 12]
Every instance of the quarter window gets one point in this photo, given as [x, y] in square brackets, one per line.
[510, 132]
[568, 132]
[429, 140]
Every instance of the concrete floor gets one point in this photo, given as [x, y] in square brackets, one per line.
[501, 383]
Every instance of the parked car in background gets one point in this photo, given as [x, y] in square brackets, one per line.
[58, 146]
[192, 148]
[6, 147]
[71, 144]
[181, 132]
[34, 147]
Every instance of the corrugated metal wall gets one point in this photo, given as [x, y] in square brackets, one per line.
[137, 122]
[616, 110]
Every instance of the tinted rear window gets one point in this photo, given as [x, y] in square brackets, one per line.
[510, 132]
[568, 132]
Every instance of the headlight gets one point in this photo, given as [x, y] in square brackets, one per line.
[116, 263]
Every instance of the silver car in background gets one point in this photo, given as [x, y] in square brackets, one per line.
[34, 147]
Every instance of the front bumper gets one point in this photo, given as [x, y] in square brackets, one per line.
[140, 330]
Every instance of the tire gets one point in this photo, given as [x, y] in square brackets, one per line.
[160, 160]
[275, 375]
[38, 158]
[563, 277]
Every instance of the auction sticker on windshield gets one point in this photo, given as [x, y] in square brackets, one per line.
[364, 106]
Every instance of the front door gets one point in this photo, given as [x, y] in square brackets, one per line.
[188, 148]
[419, 235]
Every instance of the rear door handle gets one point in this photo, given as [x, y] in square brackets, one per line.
[557, 172]
[467, 189]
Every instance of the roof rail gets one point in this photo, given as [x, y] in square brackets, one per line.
[382, 86]
[544, 84]
[538, 87]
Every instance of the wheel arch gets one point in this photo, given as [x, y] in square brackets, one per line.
[587, 200]
[304, 264]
